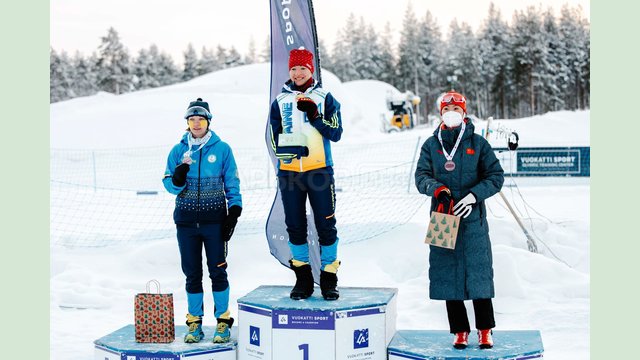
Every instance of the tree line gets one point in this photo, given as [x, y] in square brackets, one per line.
[536, 63]
[112, 69]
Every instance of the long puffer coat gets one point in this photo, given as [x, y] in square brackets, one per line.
[467, 271]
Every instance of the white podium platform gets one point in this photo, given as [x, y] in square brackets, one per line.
[357, 326]
[121, 345]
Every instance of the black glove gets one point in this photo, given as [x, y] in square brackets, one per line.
[307, 105]
[230, 222]
[286, 152]
[180, 175]
[443, 196]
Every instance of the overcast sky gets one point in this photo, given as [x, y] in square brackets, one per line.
[78, 25]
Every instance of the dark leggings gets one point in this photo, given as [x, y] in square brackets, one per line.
[191, 240]
[457, 314]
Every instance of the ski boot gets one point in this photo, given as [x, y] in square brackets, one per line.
[461, 340]
[195, 333]
[223, 330]
[484, 339]
[304, 281]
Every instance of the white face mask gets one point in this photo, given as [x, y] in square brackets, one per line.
[452, 118]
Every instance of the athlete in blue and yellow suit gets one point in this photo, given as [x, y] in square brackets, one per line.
[305, 169]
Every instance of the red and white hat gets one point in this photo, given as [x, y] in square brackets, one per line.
[301, 57]
[453, 98]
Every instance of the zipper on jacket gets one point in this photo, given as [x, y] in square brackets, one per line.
[198, 208]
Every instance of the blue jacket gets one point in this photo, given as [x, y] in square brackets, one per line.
[284, 117]
[212, 182]
[466, 272]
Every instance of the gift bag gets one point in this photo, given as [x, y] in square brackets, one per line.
[154, 316]
[443, 229]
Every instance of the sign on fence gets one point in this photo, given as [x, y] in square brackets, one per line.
[547, 161]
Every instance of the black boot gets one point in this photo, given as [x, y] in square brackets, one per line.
[304, 282]
[328, 284]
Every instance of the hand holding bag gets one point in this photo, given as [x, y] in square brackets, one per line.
[443, 228]
[154, 320]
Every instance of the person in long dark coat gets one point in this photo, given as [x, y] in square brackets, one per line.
[456, 165]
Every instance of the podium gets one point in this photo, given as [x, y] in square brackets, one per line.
[437, 345]
[359, 325]
[121, 345]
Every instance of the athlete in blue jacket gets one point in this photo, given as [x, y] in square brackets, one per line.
[304, 118]
[202, 172]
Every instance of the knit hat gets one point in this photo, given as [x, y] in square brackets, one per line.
[198, 108]
[301, 57]
[453, 98]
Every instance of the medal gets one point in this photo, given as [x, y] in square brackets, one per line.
[449, 165]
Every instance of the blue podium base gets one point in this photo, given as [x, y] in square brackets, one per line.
[437, 345]
[121, 345]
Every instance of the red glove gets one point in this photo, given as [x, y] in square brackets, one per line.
[445, 201]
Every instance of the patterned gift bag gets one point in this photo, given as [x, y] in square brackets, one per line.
[154, 316]
[443, 230]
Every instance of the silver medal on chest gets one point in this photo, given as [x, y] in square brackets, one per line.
[449, 165]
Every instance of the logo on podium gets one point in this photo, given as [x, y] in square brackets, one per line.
[283, 319]
[360, 338]
[254, 335]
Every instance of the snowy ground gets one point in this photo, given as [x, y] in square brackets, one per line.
[92, 289]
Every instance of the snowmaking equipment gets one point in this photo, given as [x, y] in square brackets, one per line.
[405, 110]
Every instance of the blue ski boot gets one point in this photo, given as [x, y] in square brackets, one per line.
[195, 333]
[223, 330]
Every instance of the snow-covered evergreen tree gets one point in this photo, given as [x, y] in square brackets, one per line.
[60, 76]
[144, 70]
[190, 68]
[234, 58]
[365, 52]
[428, 67]
[408, 52]
[166, 69]
[265, 55]
[84, 81]
[550, 97]
[585, 79]
[528, 51]
[574, 33]
[343, 62]
[114, 65]
[494, 45]
[387, 59]
[463, 64]
[251, 56]
[221, 57]
[323, 55]
[208, 62]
